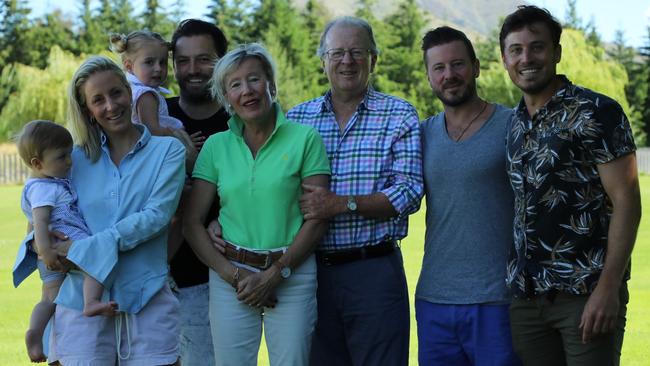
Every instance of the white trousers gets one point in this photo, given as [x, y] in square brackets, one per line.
[288, 328]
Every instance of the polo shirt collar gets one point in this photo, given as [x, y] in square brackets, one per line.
[236, 125]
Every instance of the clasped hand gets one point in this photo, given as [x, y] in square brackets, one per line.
[254, 289]
[258, 289]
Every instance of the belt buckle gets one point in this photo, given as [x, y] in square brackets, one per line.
[326, 260]
[267, 258]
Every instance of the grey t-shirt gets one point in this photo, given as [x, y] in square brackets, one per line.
[469, 214]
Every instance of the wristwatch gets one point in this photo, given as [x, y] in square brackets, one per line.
[352, 204]
[285, 271]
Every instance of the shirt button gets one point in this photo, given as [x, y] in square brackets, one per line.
[528, 256]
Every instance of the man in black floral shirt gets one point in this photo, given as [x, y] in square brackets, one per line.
[572, 167]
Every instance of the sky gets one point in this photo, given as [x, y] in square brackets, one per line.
[631, 16]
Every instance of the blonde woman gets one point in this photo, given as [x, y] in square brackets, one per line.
[128, 184]
[266, 276]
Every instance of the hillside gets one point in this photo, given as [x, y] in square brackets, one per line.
[476, 17]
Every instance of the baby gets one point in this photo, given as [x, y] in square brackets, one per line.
[50, 204]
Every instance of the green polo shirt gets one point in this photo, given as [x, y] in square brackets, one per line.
[259, 197]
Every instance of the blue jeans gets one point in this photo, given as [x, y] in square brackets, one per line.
[464, 335]
[196, 338]
[288, 328]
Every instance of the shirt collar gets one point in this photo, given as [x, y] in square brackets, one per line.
[132, 79]
[567, 90]
[236, 125]
[145, 136]
[369, 101]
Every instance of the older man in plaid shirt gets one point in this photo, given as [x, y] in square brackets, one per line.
[373, 143]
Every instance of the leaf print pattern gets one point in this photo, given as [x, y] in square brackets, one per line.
[553, 198]
[580, 225]
[561, 208]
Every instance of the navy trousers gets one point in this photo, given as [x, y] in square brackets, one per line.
[363, 313]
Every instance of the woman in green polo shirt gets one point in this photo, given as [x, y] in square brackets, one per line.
[267, 274]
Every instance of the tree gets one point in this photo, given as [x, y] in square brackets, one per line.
[104, 18]
[637, 86]
[177, 11]
[645, 106]
[51, 29]
[38, 93]
[8, 85]
[233, 18]
[151, 15]
[264, 16]
[580, 62]
[13, 29]
[285, 36]
[572, 20]
[493, 83]
[117, 16]
[593, 38]
[90, 38]
[401, 71]
[314, 17]
[365, 11]
[155, 19]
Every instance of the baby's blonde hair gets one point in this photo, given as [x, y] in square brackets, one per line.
[128, 45]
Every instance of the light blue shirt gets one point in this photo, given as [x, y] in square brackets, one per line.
[127, 208]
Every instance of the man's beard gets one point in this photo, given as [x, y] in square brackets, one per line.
[456, 100]
[193, 95]
[196, 97]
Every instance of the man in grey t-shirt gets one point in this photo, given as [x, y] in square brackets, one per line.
[461, 301]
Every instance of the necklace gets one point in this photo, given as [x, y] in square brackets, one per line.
[462, 133]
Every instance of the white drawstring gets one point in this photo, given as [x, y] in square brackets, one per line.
[118, 336]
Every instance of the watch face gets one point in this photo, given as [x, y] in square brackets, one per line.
[352, 205]
[285, 272]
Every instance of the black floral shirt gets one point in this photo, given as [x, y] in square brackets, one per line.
[562, 212]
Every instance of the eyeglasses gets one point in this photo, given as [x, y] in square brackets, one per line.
[337, 54]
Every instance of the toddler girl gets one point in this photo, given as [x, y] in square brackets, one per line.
[144, 56]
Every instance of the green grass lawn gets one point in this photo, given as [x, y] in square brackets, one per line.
[17, 303]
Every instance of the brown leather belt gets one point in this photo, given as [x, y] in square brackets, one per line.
[258, 259]
[334, 257]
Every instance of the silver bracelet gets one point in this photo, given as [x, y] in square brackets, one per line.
[235, 278]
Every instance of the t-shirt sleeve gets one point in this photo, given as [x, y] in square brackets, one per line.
[608, 135]
[205, 167]
[41, 194]
[140, 90]
[315, 159]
